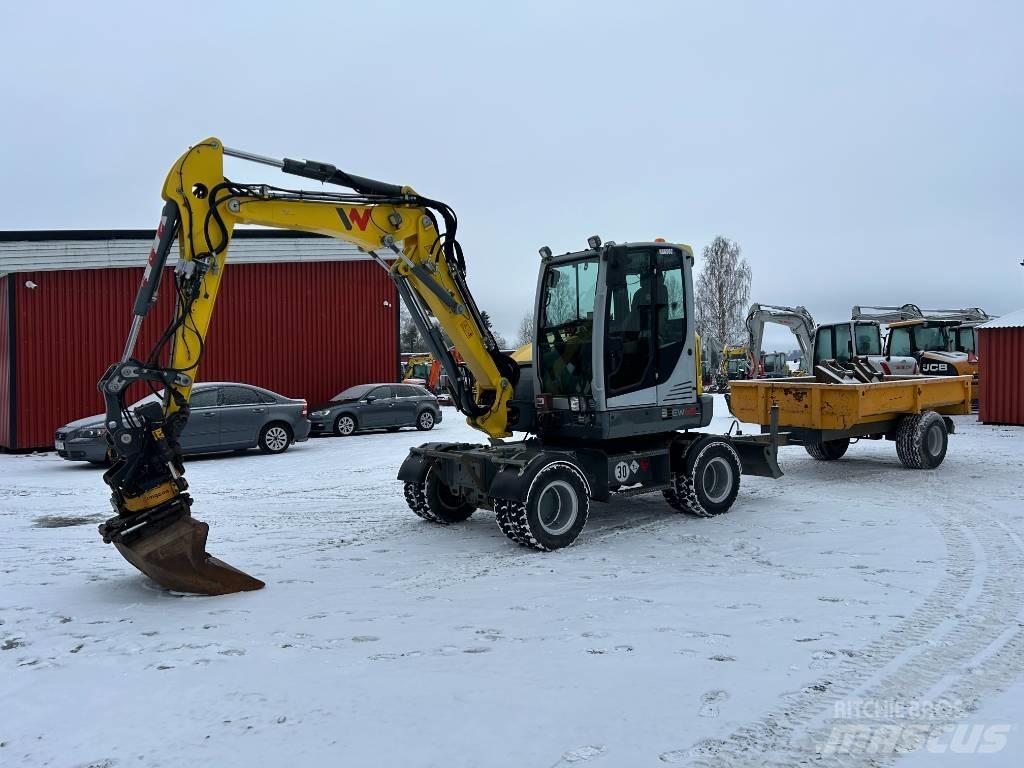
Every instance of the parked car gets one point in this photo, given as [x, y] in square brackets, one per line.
[225, 417]
[376, 406]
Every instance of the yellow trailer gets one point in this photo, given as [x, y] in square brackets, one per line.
[912, 411]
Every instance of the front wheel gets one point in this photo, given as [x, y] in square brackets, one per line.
[447, 505]
[274, 438]
[710, 480]
[425, 421]
[433, 500]
[344, 425]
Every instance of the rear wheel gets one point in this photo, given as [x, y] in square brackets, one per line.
[275, 438]
[828, 450]
[344, 425]
[921, 440]
[506, 515]
[554, 513]
[425, 421]
[710, 480]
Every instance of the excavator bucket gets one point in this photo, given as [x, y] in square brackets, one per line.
[175, 557]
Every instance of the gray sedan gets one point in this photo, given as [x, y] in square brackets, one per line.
[225, 417]
[376, 406]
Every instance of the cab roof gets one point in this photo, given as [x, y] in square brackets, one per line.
[923, 321]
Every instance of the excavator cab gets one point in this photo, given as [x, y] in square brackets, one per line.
[615, 340]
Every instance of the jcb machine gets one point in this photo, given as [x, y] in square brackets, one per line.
[612, 399]
[941, 340]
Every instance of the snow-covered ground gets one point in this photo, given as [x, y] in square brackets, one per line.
[850, 589]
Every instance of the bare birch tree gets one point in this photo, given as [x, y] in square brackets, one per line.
[526, 329]
[722, 295]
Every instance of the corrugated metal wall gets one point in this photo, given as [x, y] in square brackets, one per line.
[303, 330]
[5, 364]
[1001, 375]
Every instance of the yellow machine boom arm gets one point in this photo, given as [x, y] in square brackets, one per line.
[399, 228]
[404, 226]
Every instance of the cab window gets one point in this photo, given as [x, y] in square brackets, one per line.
[823, 345]
[671, 308]
[565, 338]
[868, 339]
[843, 343]
[630, 335]
[930, 338]
[965, 340]
[899, 342]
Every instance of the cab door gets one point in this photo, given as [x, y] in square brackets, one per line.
[676, 360]
[649, 354]
[630, 353]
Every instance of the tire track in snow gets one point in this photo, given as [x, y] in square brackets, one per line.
[950, 630]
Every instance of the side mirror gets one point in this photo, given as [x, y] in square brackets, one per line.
[370, 399]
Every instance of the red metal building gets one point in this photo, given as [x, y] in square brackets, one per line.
[302, 315]
[1001, 370]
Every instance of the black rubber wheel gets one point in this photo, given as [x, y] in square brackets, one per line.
[345, 425]
[921, 440]
[710, 480]
[506, 515]
[275, 438]
[425, 421]
[446, 505]
[556, 508]
[828, 450]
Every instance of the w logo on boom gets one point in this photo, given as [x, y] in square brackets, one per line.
[361, 217]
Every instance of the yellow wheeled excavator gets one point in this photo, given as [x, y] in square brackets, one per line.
[610, 400]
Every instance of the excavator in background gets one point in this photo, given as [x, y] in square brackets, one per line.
[797, 319]
[418, 369]
[941, 340]
[859, 340]
[611, 404]
[735, 366]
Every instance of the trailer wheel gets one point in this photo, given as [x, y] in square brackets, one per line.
[556, 508]
[828, 450]
[710, 480]
[921, 440]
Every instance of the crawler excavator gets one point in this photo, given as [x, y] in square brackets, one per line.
[611, 402]
[797, 319]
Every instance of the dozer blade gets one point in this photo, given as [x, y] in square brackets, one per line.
[175, 557]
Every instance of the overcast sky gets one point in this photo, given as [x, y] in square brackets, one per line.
[861, 153]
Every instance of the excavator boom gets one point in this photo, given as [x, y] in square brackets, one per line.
[153, 528]
[797, 319]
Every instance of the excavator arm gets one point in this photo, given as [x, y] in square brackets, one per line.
[886, 315]
[797, 319]
[153, 528]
